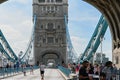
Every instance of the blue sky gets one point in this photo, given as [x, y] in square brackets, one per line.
[16, 24]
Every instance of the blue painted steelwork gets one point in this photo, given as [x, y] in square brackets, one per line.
[29, 48]
[2, 50]
[70, 50]
[5, 72]
[8, 46]
[95, 39]
[66, 71]
[14, 58]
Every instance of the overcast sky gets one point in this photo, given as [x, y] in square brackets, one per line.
[16, 24]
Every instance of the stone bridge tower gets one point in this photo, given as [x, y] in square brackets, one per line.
[50, 31]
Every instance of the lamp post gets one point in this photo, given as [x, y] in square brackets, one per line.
[101, 40]
[0, 59]
[94, 58]
[28, 59]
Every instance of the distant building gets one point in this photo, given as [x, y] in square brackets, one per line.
[97, 58]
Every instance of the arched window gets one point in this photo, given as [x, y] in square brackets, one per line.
[41, 0]
[43, 8]
[41, 26]
[52, 0]
[52, 8]
[48, 0]
[56, 8]
[44, 40]
[56, 40]
[117, 60]
[58, 26]
[50, 40]
[48, 8]
[50, 26]
[58, 0]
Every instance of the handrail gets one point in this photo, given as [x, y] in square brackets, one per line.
[66, 71]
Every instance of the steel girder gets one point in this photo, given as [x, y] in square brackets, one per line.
[95, 39]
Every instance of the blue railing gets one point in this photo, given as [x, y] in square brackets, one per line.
[5, 72]
[66, 71]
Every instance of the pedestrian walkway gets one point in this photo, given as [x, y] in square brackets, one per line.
[50, 74]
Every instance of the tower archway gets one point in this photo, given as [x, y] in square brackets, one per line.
[111, 11]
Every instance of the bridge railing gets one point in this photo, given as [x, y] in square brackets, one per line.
[66, 71]
[5, 72]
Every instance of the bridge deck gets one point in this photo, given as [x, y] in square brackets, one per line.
[50, 74]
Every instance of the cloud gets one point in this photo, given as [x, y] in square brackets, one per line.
[79, 44]
[16, 24]
[20, 1]
[79, 13]
[16, 40]
[84, 18]
[10, 32]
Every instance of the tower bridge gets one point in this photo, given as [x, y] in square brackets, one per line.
[50, 36]
[50, 30]
[50, 39]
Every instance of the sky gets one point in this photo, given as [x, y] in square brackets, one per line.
[16, 25]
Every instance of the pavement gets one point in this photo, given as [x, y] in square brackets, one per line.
[50, 74]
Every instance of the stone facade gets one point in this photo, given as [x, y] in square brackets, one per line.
[116, 57]
[50, 31]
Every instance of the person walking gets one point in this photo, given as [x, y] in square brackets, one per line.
[91, 71]
[96, 69]
[114, 74]
[31, 69]
[108, 70]
[24, 69]
[42, 70]
[83, 72]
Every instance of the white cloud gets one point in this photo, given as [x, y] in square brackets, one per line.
[16, 25]
[10, 32]
[21, 1]
[79, 44]
[84, 18]
[15, 38]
